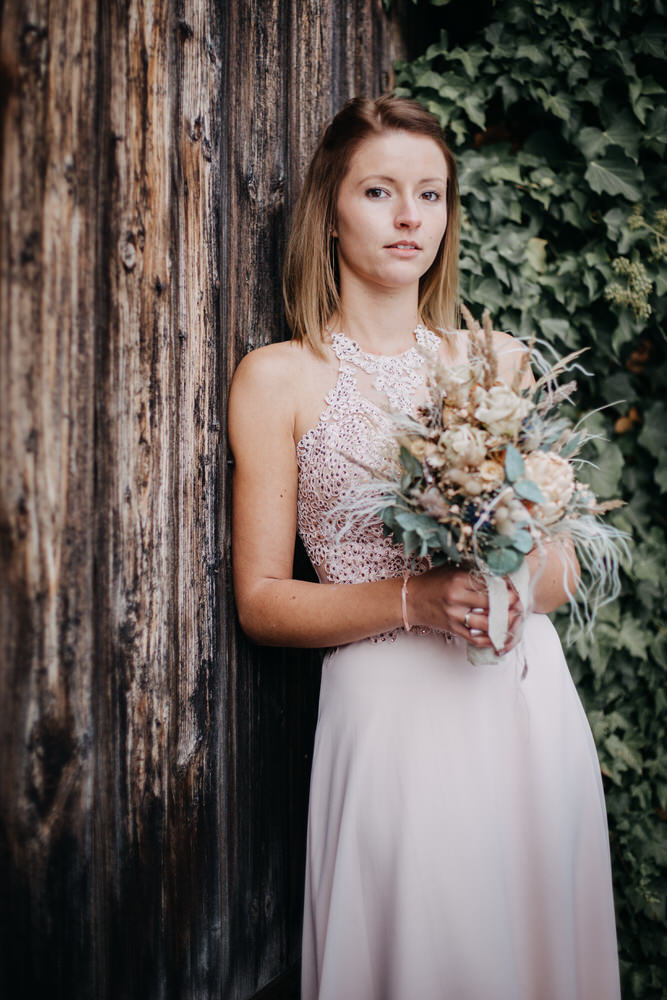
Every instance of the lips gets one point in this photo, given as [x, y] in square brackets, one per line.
[403, 245]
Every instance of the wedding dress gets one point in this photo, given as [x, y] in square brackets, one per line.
[457, 839]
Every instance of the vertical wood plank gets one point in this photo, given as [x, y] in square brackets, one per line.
[47, 317]
[158, 447]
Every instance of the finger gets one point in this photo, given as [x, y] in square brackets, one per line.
[482, 640]
[477, 598]
[477, 620]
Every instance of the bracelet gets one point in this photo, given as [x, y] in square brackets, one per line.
[404, 602]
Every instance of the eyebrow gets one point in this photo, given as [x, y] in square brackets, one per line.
[392, 180]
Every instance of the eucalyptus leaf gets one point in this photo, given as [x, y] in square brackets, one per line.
[523, 541]
[411, 464]
[572, 445]
[528, 490]
[514, 465]
[502, 562]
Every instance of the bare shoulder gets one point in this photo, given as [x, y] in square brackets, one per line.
[506, 344]
[271, 365]
[273, 372]
[510, 351]
[268, 388]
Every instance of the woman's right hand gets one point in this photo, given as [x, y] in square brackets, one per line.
[456, 601]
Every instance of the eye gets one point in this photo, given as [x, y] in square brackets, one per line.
[431, 195]
[375, 193]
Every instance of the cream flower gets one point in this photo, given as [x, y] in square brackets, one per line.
[463, 446]
[501, 410]
[470, 483]
[555, 478]
[491, 473]
[457, 382]
[509, 513]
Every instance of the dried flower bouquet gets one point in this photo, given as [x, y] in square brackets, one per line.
[488, 474]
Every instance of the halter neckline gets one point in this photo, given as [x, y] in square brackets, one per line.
[420, 335]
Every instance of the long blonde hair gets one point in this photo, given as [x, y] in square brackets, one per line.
[310, 283]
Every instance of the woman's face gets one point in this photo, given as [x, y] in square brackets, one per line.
[391, 212]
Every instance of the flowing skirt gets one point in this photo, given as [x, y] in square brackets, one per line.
[457, 837]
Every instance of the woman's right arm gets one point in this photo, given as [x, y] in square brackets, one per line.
[273, 608]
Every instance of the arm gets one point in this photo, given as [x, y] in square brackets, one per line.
[554, 569]
[273, 608]
[555, 572]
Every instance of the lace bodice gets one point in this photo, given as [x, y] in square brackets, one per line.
[354, 431]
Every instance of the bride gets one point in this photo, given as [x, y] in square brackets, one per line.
[457, 843]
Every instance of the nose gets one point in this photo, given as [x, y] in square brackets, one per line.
[408, 215]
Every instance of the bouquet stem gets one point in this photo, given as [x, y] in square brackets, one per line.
[499, 600]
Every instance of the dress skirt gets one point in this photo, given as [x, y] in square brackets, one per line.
[457, 836]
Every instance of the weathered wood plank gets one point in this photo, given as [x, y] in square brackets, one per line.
[47, 317]
[158, 442]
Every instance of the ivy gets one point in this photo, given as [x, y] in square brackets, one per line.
[557, 113]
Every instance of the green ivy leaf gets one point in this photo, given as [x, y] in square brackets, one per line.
[615, 174]
[605, 476]
[536, 254]
[653, 435]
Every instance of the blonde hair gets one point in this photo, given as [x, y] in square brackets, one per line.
[310, 285]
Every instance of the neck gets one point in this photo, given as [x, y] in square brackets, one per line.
[381, 323]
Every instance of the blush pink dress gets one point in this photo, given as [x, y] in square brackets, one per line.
[457, 837]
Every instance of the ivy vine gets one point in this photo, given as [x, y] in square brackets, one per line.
[558, 115]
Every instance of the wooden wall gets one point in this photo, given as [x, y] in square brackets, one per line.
[153, 764]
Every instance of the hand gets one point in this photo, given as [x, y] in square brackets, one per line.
[457, 602]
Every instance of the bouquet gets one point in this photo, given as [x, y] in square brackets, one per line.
[488, 474]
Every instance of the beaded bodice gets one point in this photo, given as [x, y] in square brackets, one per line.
[353, 434]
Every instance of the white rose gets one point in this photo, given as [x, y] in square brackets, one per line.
[501, 410]
[463, 446]
[555, 478]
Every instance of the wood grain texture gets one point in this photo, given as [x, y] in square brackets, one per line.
[47, 319]
[153, 763]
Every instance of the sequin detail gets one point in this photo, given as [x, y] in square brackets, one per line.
[354, 431]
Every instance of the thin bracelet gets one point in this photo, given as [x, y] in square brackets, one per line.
[404, 602]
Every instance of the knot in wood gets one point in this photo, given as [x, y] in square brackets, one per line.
[128, 253]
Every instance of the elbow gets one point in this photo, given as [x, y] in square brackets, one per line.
[256, 624]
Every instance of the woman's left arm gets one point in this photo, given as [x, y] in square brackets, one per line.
[554, 568]
[555, 575]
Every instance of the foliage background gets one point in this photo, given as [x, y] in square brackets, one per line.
[557, 114]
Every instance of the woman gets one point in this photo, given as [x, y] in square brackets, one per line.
[457, 843]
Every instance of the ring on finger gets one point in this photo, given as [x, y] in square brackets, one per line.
[466, 620]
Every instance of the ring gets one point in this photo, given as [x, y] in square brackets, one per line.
[466, 620]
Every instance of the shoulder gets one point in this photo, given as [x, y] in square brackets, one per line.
[505, 343]
[279, 368]
[510, 352]
[271, 364]
[268, 387]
